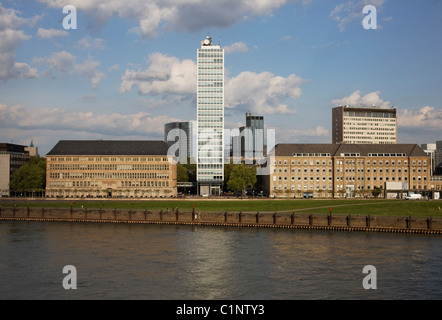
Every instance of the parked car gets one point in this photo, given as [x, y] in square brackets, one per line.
[414, 197]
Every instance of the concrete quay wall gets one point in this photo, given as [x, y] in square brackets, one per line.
[238, 219]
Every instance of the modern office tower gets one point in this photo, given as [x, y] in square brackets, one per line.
[210, 118]
[256, 123]
[249, 144]
[12, 157]
[109, 169]
[183, 134]
[364, 125]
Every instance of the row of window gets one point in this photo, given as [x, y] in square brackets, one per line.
[210, 67]
[368, 131]
[392, 123]
[107, 175]
[350, 162]
[216, 54]
[367, 114]
[330, 188]
[210, 125]
[107, 167]
[350, 170]
[209, 84]
[202, 61]
[83, 184]
[111, 159]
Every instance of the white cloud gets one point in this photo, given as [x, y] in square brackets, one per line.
[51, 33]
[153, 16]
[426, 117]
[65, 63]
[165, 75]
[88, 70]
[262, 93]
[88, 43]
[47, 126]
[356, 100]
[236, 47]
[11, 36]
[317, 134]
[62, 61]
[54, 119]
[115, 67]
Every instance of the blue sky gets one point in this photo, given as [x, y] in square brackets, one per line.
[130, 66]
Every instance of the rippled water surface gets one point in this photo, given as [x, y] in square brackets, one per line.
[130, 261]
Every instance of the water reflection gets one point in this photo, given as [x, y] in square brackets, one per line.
[184, 262]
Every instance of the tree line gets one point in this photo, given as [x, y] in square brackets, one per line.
[237, 177]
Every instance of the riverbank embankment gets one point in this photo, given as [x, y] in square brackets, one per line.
[287, 220]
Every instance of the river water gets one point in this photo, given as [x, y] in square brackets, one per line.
[173, 262]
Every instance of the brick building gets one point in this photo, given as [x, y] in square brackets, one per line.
[346, 170]
[105, 168]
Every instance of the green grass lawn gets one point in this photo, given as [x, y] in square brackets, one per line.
[362, 207]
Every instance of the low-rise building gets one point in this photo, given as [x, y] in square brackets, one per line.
[106, 168]
[345, 170]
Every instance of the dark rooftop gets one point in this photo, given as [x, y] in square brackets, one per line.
[10, 147]
[284, 149]
[109, 147]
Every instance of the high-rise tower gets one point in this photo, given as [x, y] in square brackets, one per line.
[210, 118]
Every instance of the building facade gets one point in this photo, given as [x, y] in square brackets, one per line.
[430, 150]
[183, 134]
[249, 144]
[100, 168]
[346, 170]
[210, 118]
[364, 125]
[12, 157]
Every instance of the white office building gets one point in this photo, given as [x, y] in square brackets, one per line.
[210, 118]
[364, 125]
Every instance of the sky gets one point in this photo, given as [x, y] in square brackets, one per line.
[129, 67]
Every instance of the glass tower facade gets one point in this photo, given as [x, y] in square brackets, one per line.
[210, 118]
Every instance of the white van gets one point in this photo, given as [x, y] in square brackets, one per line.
[414, 197]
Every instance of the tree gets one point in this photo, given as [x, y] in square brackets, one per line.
[227, 170]
[30, 177]
[241, 177]
[376, 192]
[182, 174]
